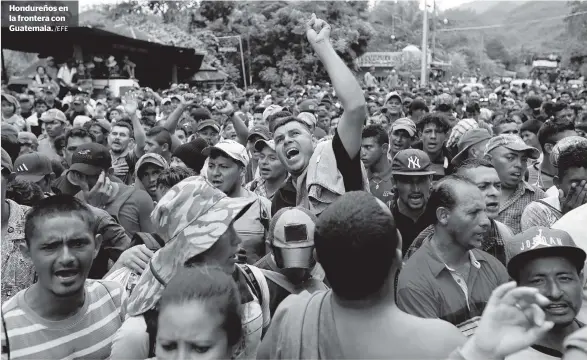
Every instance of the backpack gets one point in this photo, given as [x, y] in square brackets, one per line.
[257, 284]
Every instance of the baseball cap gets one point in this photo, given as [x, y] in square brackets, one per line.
[541, 241]
[512, 142]
[191, 154]
[393, 94]
[308, 118]
[91, 159]
[104, 124]
[190, 219]
[233, 149]
[468, 139]
[9, 130]
[270, 110]
[208, 123]
[32, 167]
[260, 130]
[165, 100]
[308, 105]
[52, 115]
[563, 145]
[261, 144]
[23, 97]
[405, 124]
[411, 162]
[6, 162]
[292, 229]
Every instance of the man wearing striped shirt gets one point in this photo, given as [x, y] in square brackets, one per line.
[63, 315]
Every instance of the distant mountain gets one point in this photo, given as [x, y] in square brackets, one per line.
[481, 6]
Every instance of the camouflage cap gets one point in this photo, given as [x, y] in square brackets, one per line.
[512, 142]
[190, 218]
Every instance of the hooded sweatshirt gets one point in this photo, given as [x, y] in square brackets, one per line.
[149, 158]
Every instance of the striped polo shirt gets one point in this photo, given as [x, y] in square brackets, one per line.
[86, 335]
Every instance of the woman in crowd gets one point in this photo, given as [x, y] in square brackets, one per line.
[199, 316]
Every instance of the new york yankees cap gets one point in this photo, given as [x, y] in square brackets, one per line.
[538, 242]
[411, 162]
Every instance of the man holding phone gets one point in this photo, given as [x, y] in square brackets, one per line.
[131, 207]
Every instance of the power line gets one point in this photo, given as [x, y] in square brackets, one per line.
[514, 24]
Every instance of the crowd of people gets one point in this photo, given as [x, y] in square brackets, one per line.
[325, 221]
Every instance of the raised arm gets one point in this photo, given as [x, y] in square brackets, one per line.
[346, 86]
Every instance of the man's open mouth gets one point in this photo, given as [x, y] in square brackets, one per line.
[291, 153]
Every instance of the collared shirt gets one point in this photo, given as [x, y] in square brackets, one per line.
[493, 243]
[510, 211]
[428, 288]
[18, 272]
[128, 157]
[258, 186]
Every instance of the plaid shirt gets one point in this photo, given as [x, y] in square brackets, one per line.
[510, 211]
[492, 243]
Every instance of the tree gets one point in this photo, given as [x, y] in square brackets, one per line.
[496, 50]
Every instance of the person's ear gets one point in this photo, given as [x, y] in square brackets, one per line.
[442, 215]
[73, 178]
[548, 148]
[487, 157]
[556, 181]
[97, 245]
[385, 148]
[165, 147]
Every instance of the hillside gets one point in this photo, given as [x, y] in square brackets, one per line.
[518, 34]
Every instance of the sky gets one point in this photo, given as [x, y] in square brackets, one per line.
[442, 4]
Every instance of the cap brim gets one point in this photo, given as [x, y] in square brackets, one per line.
[403, 127]
[413, 173]
[261, 144]
[460, 157]
[257, 133]
[86, 169]
[532, 151]
[208, 126]
[29, 177]
[573, 253]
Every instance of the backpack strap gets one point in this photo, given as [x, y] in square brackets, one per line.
[258, 285]
[280, 280]
[153, 241]
[151, 321]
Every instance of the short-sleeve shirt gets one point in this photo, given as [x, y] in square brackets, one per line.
[382, 187]
[428, 289]
[86, 335]
[510, 211]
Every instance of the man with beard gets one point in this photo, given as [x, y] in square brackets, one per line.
[123, 157]
[413, 177]
[482, 174]
[374, 149]
[272, 173]
[334, 163]
[51, 318]
[55, 124]
[549, 260]
[227, 161]
[509, 156]
[459, 278]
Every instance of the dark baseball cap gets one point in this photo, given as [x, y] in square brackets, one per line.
[32, 167]
[208, 123]
[411, 162]
[91, 159]
[541, 241]
[260, 130]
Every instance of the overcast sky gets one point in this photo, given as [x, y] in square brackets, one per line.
[442, 4]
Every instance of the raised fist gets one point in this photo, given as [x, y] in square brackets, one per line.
[317, 30]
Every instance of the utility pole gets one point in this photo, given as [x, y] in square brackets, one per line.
[433, 30]
[424, 70]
